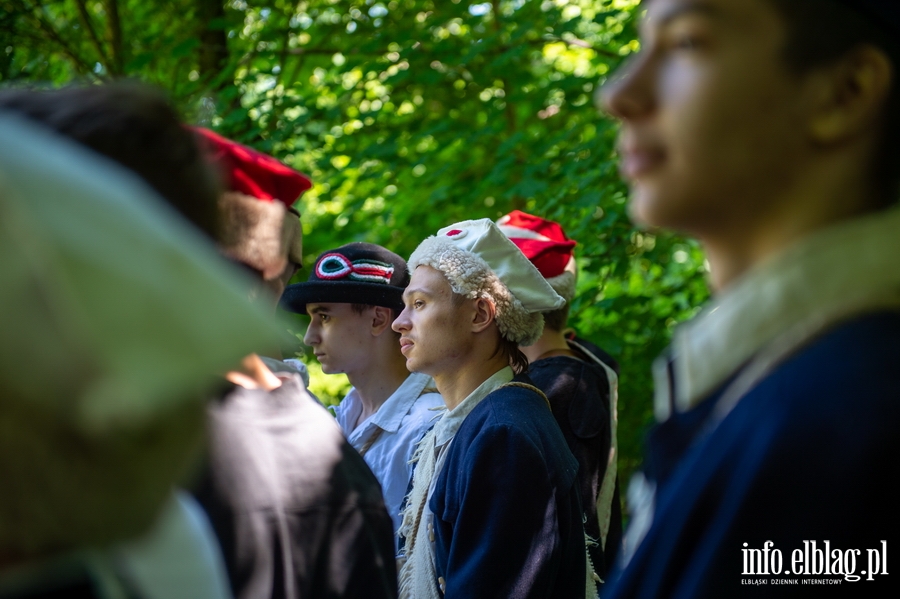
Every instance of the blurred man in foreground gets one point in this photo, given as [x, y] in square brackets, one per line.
[103, 390]
[768, 129]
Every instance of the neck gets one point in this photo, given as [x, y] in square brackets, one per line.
[379, 381]
[827, 196]
[457, 383]
[549, 341]
[253, 374]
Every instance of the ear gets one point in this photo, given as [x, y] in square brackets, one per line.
[382, 318]
[849, 96]
[252, 232]
[292, 237]
[484, 313]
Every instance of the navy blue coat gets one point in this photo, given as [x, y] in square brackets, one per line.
[506, 504]
[810, 454]
[579, 394]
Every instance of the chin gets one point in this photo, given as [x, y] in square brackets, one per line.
[413, 366]
[650, 210]
[640, 209]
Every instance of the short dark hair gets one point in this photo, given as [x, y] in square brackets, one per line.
[822, 31]
[557, 319]
[360, 308]
[136, 126]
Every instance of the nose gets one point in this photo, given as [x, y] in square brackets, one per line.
[311, 337]
[628, 94]
[401, 323]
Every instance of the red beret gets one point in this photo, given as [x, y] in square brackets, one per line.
[542, 241]
[253, 173]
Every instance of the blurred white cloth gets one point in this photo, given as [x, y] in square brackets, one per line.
[179, 558]
[290, 365]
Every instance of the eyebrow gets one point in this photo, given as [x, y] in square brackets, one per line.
[698, 7]
[408, 292]
[318, 310]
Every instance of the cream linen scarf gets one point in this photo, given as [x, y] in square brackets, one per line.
[418, 575]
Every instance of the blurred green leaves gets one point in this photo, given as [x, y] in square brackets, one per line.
[409, 115]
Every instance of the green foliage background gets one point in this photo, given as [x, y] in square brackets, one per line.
[409, 115]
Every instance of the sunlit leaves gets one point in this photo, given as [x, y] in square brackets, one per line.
[410, 115]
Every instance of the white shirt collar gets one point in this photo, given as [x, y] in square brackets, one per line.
[389, 416]
[809, 285]
[396, 406]
[446, 427]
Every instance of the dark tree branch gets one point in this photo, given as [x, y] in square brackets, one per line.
[282, 57]
[330, 51]
[82, 65]
[582, 44]
[117, 65]
[500, 49]
[92, 33]
[213, 41]
[509, 110]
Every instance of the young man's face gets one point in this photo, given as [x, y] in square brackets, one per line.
[711, 127]
[434, 335]
[338, 337]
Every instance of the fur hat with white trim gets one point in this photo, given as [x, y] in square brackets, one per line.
[258, 226]
[479, 261]
[545, 244]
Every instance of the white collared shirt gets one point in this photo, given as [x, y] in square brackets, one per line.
[403, 419]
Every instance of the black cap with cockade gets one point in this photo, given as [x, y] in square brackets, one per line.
[356, 273]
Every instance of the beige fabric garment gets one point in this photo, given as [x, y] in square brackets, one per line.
[117, 317]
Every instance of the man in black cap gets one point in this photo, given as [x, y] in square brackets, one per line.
[353, 295]
[769, 130]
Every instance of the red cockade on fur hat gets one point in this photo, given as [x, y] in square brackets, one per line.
[254, 173]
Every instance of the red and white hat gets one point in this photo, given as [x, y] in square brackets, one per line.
[255, 226]
[545, 244]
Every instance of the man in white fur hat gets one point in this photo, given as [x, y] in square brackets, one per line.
[495, 508]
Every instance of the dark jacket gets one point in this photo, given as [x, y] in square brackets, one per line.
[296, 510]
[809, 454]
[579, 394]
[506, 504]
